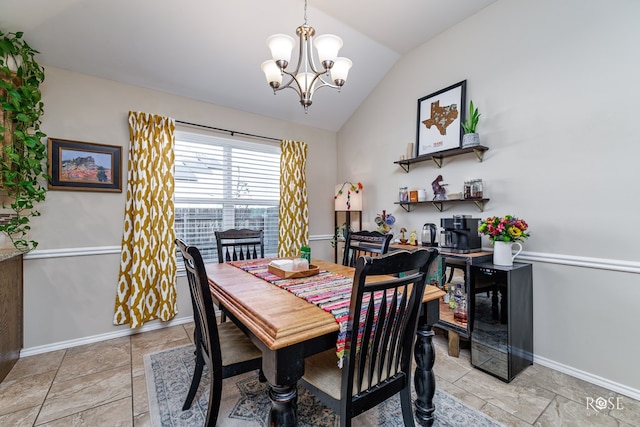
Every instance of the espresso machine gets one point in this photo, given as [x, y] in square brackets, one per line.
[460, 234]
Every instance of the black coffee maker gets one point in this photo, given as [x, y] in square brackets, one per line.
[460, 234]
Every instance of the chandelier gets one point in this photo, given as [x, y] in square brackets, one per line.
[306, 78]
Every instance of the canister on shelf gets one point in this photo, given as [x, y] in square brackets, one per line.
[413, 196]
[404, 194]
[476, 188]
[467, 189]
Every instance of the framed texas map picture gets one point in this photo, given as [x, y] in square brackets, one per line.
[439, 119]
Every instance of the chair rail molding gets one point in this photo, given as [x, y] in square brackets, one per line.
[551, 258]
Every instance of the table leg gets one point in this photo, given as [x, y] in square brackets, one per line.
[424, 378]
[284, 405]
[282, 369]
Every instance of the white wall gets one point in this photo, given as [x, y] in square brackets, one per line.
[70, 280]
[557, 85]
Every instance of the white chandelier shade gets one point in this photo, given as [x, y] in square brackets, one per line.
[306, 77]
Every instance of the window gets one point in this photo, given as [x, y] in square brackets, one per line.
[222, 183]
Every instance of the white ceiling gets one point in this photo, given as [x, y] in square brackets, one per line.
[212, 50]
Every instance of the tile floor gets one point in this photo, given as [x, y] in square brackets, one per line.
[103, 384]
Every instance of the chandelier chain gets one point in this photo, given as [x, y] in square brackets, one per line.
[305, 12]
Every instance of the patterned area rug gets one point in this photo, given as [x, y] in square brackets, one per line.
[245, 401]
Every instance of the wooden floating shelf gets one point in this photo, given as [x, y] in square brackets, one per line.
[439, 204]
[478, 150]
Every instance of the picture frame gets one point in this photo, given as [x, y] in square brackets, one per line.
[440, 116]
[84, 166]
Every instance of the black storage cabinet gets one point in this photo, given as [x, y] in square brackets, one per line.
[501, 318]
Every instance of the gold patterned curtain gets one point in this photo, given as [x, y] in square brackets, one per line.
[146, 284]
[293, 231]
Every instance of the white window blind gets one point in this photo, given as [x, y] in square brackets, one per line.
[222, 183]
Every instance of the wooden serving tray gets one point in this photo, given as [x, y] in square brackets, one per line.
[286, 274]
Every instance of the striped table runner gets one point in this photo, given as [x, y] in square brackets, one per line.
[329, 291]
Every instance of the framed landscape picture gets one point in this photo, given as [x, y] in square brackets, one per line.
[439, 119]
[83, 166]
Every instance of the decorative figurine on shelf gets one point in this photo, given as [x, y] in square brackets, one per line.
[439, 192]
[403, 239]
[413, 240]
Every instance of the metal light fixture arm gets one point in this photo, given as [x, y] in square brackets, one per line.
[306, 78]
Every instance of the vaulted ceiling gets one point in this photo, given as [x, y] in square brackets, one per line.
[211, 50]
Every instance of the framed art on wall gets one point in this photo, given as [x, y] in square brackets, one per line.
[83, 166]
[439, 119]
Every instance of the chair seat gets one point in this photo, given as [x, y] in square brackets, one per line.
[322, 372]
[235, 346]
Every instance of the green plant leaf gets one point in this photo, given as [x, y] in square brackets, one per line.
[23, 154]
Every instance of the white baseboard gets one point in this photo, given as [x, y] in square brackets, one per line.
[124, 332]
[588, 377]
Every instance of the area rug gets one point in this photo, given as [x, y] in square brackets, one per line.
[245, 401]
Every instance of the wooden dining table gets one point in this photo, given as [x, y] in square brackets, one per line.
[287, 329]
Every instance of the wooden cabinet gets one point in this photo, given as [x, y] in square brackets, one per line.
[10, 309]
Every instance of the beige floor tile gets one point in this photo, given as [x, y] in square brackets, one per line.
[25, 392]
[116, 414]
[189, 328]
[80, 394]
[22, 418]
[560, 383]
[137, 356]
[113, 354]
[525, 401]
[468, 398]
[36, 364]
[101, 345]
[140, 400]
[158, 338]
[502, 416]
[153, 341]
[626, 409]
[564, 412]
[142, 420]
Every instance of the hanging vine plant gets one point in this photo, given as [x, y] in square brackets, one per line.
[23, 168]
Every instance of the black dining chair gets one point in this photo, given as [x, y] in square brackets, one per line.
[224, 348]
[380, 337]
[364, 243]
[238, 244]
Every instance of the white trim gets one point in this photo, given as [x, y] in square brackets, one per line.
[590, 378]
[571, 260]
[149, 326]
[69, 252]
[580, 261]
[319, 237]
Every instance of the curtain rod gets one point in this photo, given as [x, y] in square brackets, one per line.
[230, 132]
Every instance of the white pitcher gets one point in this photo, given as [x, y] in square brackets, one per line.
[502, 253]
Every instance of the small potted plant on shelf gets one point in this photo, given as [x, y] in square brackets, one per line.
[471, 137]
